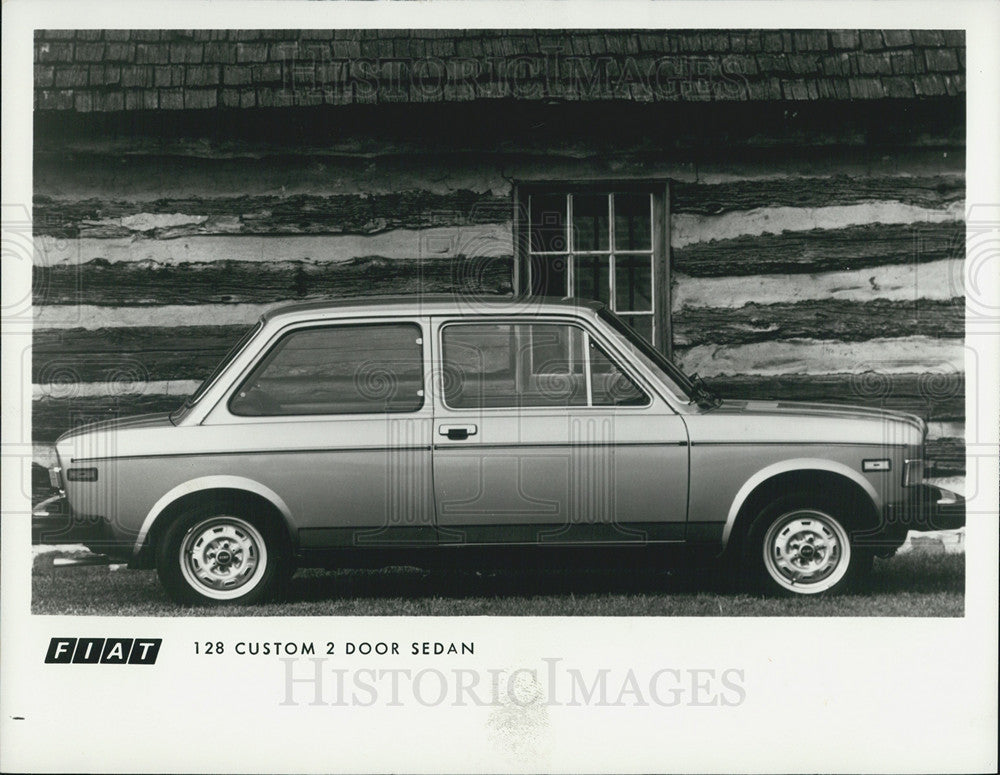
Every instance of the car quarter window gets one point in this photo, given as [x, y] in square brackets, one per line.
[494, 365]
[343, 369]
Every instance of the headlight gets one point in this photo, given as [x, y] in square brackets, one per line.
[913, 472]
[54, 479]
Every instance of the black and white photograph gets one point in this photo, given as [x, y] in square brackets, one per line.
[498, 290]
[540, 373]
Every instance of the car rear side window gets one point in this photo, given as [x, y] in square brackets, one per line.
[495, 365]
[346, 369]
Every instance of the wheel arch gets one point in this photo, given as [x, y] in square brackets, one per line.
[808, 473]
[211, 488]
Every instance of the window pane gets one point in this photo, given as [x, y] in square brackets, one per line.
[513, 365]
[479, 364]
[548, 223]
[548, 276]
[337, 370]
[610, 386]
[642, 325]
[590, 278]
[633, 283]
[553, 350]
[632, 222]
[590, 222]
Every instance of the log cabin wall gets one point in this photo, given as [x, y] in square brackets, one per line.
[185, 181]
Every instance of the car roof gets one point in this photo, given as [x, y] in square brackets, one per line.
[435, 304]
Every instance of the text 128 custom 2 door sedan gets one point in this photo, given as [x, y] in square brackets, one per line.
[418, 431]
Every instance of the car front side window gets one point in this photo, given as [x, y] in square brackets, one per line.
[523, 365]
[344, 369]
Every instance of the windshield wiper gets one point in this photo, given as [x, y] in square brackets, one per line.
[701, 394]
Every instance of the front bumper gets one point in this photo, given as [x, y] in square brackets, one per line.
[926, 507]
[52, 522]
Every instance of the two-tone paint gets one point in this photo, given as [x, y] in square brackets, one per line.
[668, 472]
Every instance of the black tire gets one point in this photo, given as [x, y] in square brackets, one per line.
[218, 555]
[800, 544]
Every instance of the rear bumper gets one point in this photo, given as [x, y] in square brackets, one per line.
[927, 507]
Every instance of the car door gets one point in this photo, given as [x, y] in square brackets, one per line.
[333, 419]
[541, 437]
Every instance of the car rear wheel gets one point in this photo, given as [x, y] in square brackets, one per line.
[212, 557]
[797, 547]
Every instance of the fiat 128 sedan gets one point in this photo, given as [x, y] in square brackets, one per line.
[446, 430]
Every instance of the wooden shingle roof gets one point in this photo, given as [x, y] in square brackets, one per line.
[127, 70]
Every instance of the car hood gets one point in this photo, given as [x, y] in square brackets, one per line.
[804, 409]
[158, 420]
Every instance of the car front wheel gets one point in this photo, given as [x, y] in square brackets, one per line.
[212, 557]
[798, 547]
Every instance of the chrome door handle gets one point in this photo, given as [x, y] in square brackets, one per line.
[457, 432]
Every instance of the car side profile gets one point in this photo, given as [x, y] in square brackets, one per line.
[433, 430]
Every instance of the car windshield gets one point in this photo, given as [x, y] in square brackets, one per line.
[207, 382]
[652, 357]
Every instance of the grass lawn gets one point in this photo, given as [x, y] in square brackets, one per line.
[913, 584]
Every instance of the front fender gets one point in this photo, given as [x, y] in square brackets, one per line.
[789, 466]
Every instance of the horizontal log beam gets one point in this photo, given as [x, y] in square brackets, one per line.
[99, 281]
[820, 319]
[935, 397]
[834, 129]
[92, 317]
[689, 228]
[901, 355]
[481, 240]
[823, 250]
[128, 381]
[370, 213]
[190, 352]
[938, 280]
[167, 218]
[109, 354]
[124, 283]
[923, 191]
[132, 164]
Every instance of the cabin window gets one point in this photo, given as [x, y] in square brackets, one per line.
[343, 369]
[604, 243]
[501, 365]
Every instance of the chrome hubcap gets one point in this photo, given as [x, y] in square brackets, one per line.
[223, 557]
[806, 551]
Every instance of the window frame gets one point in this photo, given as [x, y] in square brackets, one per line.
[658, 188]
[652, 395]
[269, 351]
